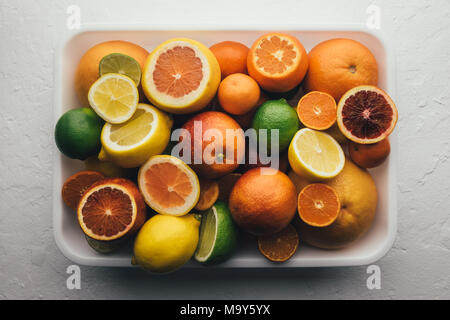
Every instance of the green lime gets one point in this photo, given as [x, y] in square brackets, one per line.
[122, 64]
[105, 247]
[277, 115]
[218, 235]
[77, 133]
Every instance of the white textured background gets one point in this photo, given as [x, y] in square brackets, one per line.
[31, 266]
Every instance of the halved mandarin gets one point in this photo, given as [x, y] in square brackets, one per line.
[181, 76]
[318, 205]
[317, 110]
[281, 246]
[278, 62]
[111, 209]
[169, 186]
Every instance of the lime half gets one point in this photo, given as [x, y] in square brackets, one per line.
[122, 64]
[218, 235]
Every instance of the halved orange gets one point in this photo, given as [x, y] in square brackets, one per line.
[169, 185]
[366, 114]
[181, 76]
[111, 209]
[278, 62]
[280, 246]
[209, 193]
[75, 186]
[318, 205]
[317, 110]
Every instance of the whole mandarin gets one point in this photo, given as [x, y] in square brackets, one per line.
[232, 57]
[238, 94]
[369, 155]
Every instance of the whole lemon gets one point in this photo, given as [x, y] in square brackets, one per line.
[165, 243]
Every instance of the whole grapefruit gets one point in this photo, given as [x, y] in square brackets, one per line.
[263, 201]
[358, 197]
[88, 68]
[338, 65]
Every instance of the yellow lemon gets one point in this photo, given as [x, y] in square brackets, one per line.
[114, 97]
[165, 243]
[315, 155]
[132, 143]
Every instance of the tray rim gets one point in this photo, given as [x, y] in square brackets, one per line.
[371, 258]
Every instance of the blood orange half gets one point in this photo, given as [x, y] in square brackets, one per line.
[366, 114]
[181, 76]
[278, 62]
[111, 209]
[169, 186]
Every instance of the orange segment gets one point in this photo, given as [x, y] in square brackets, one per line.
[278, 62]
[209, 193]
[317, 110]
[281, 246]
[111, 209]
[318, 205]
[169, 186]
[178, 72]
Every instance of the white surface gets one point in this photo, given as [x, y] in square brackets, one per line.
[31, 265]
[368, 249]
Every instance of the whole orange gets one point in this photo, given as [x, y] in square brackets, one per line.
[217, 153]
[338, 65]
[232, 57]
[88, 67]
[263, 201]
[369, 155]
[238, 94]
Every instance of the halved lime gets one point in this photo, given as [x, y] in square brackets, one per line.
[218, 235]
[122, 64]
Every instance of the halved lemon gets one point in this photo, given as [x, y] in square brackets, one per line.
[315, 155]
[132, 143]
[181, 76]
[114, 97]
[169, 185]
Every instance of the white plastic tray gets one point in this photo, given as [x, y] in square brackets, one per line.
[68, 234]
